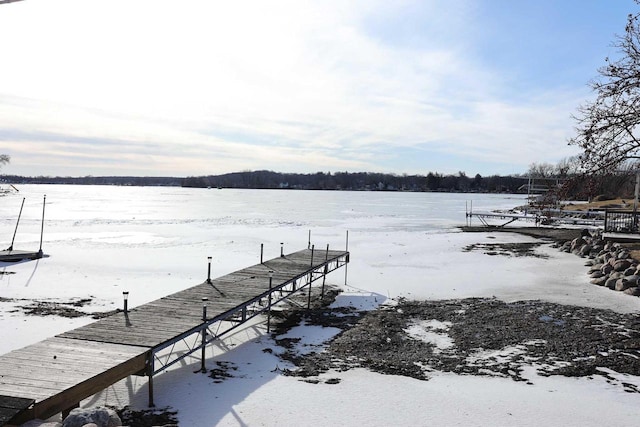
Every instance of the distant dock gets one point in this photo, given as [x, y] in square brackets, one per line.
[12, 255]
[15, 255]
[53, 376]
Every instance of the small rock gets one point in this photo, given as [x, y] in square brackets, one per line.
[633, 279]
[600, 281]
[623, 255]
[622, 285]
[596, 266]
[621, 265]
[634, 290]
[585, 250]
[610, 283]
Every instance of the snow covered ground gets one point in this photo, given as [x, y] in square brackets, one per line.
[101, 241]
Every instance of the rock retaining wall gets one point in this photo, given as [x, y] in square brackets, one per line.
[610, 264]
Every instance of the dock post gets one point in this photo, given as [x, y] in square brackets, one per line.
[313, 248]
[125, 295]
[269, 306]
[261, 252]
[203, 369]
[309, 241]
[281, 249]
[209, 270]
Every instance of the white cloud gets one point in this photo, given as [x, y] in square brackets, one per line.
[286, 85]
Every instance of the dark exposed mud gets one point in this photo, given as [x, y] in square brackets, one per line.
[483, 337]
[508, 249]
[68, 309]
[147, 418]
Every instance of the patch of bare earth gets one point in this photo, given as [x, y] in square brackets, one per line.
[482, 337]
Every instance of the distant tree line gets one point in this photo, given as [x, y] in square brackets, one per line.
[561, 179]
[359, 181]
[96, 180]
[354, 181]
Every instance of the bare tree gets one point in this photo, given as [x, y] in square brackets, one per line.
[541, 170]
[607, 128]
[4, 159]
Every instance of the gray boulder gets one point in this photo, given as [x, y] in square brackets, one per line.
[622, 285]
[633, 279]
[621, 265]
[623, 255]
[596, 266]
[611, 283]
[634, 290]
[577, 243]
[600, 281]
[101, 417]
[585, 250]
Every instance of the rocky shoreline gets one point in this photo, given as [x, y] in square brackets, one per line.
[611, 264]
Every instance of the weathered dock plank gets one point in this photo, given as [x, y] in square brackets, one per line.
[55, 384]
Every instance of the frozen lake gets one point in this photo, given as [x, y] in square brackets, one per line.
[152, 241]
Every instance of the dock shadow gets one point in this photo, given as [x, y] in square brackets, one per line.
[239, 365]
[242, 363]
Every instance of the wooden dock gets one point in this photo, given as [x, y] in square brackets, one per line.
[54, 375]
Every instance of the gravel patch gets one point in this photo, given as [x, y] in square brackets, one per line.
[475, 336]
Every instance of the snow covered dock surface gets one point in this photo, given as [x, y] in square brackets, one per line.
[151, 242]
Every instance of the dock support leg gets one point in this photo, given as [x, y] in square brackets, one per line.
[203, 368]
[324, 278]
[324, 274]
[150, 375]
[309, 295]
[347, 260]
[269, 306]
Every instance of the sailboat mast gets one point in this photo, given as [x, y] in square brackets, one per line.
[17, 222]
[44, 203]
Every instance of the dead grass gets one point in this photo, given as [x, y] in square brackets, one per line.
[619, 203]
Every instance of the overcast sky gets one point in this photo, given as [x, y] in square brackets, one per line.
[199, 87]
